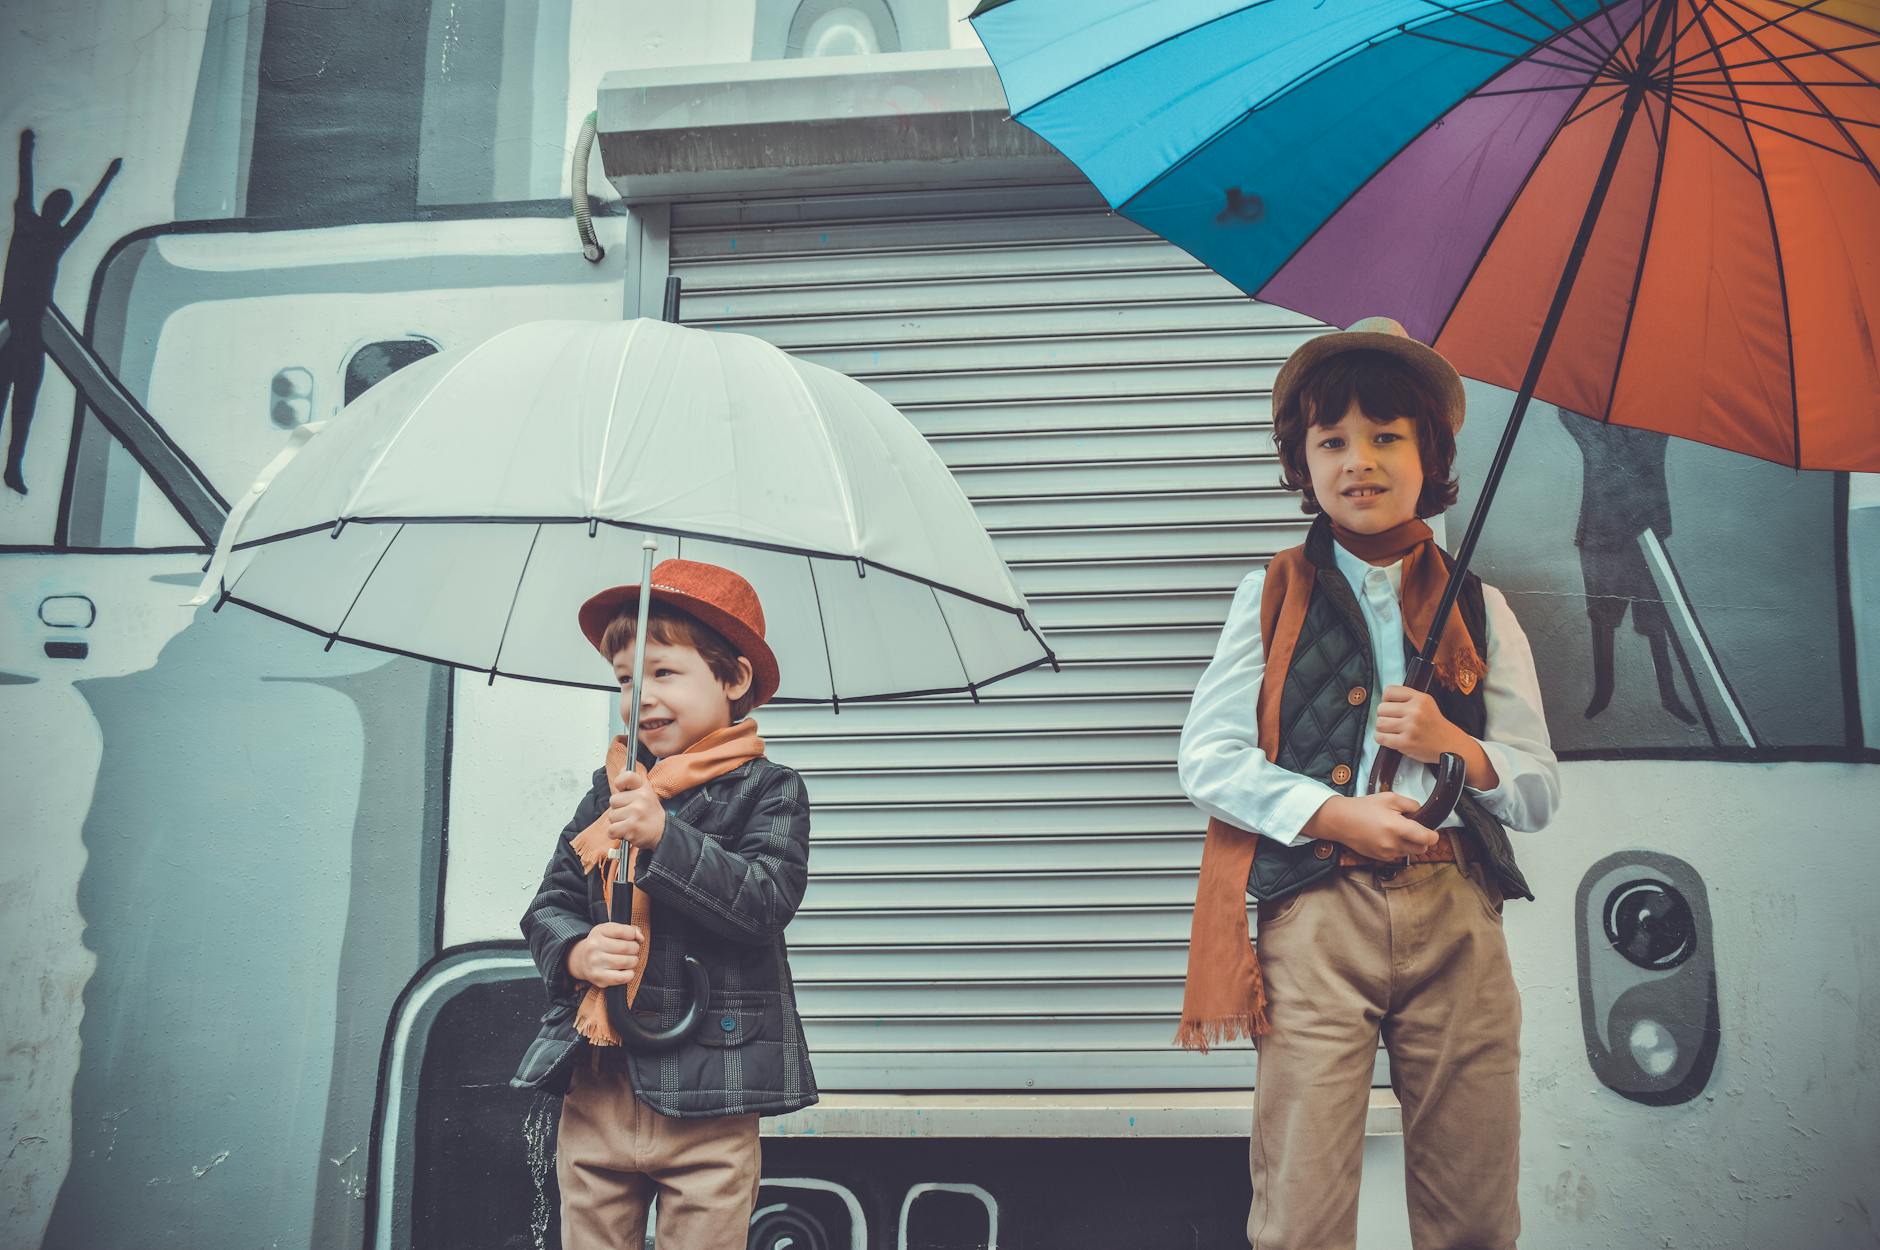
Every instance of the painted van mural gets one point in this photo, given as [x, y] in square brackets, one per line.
[263, 984]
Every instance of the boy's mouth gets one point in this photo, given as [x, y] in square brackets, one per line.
[1362, 492]
[654, 726]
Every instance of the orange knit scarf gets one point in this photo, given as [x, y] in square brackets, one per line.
[1225, 997]
[714, 755]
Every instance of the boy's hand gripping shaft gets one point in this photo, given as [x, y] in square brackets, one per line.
[1451, 771]
[633, 1034]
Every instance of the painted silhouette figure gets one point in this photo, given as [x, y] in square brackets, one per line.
[33, 254]
[1624, 494]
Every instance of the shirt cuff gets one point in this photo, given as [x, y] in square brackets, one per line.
[1506, 766]
[1299, 804]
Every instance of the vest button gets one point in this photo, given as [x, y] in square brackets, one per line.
[1341, 774]
[1323, 850]
[729, 1024]
[1356, 695]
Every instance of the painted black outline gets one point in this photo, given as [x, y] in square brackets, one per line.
[495, 210]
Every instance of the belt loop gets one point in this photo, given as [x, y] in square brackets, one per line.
[1455, 845]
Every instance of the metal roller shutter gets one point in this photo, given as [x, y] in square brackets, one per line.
[1001, 892]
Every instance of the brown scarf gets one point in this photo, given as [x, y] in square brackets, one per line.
[714, 755]
[1225, 996]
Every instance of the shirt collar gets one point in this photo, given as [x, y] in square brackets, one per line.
[1355, 570]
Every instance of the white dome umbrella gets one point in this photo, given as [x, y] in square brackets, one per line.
[461, 510]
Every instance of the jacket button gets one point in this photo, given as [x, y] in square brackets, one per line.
[1356, 695]
[1323, 850]
[729, 1024]
[1341, 774]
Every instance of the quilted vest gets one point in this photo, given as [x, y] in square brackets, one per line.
[1324, 714]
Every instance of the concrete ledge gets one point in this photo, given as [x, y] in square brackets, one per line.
[907, 119]
[1206, 1113]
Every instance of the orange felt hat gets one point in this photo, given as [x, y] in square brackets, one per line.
[714, 596]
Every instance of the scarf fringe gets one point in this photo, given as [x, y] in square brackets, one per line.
[1199, 1035]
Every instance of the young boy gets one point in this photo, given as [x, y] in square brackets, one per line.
[1368, 921]
[715, 843]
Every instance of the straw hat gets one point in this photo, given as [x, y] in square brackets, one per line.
[1376, 334]
[714, 596]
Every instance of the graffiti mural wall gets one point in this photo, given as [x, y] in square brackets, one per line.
[228, 856]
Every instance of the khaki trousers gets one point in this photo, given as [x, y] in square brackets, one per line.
[1416, 954]
[614, 1153]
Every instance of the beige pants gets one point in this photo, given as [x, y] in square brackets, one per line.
[615, 1153]
[1417, 954]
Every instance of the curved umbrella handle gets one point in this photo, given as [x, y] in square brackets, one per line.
[633, 1034]
[636, 1036]
[1451, 772]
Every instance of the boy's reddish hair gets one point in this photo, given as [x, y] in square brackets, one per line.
[1385, 388]
[672, 627]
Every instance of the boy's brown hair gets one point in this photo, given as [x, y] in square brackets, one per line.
[1385, 388]
[670, 627]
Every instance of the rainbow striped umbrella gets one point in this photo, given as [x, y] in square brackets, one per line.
[1664, 214]
[1701, 173]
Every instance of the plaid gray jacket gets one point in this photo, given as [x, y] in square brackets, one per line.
[726, 878]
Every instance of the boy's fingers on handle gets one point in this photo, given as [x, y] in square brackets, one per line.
[631, 779]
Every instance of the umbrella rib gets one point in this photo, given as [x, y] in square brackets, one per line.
[411, 416]
[1122, 206]
[1488, 244]
[1569, 86]
[1804, 87]
[1781, 62]
[613, 405]
[1820, 109]
[1769, 126]
[1619, 52]
[1813, 6]
[521, 576]
[829, 444]
[828, 659]
[1592, 51]
[1575, 68]
[1795, 412]
[1716, 49]
[1697, 15]
[1661, 131]
[1710, 134]
[965, 674]
[1591, 109]
[1553, 35]
[363, 583]
[1406, 145]
[1829, 53]
[1644, 250]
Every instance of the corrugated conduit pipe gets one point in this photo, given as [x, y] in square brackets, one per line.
[577, 190]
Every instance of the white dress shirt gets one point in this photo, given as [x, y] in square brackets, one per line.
[1226, 774]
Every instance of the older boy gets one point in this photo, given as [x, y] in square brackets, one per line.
[716, 841]
[1368, 922]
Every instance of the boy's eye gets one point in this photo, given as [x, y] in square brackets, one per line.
[1332, 444]
[664, 672]
[1388, 437]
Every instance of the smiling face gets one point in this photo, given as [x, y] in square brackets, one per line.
[682, 700]
[1367, 475]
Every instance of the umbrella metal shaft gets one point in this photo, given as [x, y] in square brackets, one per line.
[1421, 670]
[1634, 99]
[634, 664]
